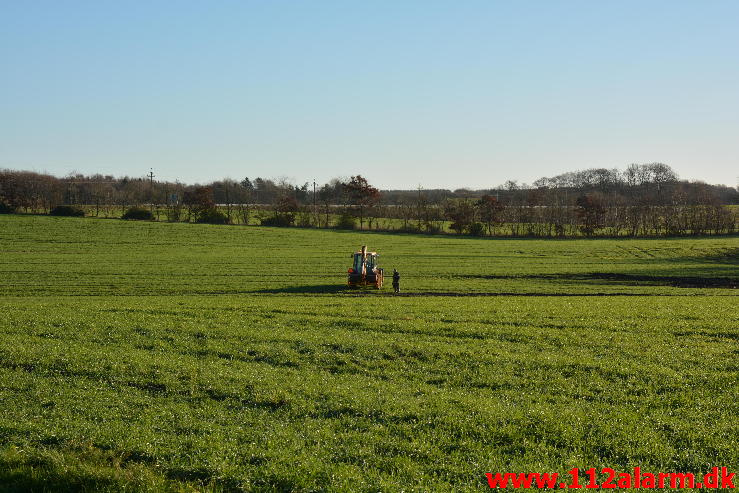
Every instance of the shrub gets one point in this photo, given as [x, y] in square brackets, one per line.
[280, 220]
[174, 213]
[67, 210]
[138, 214]
[346, 221]
[212, 216]
[305, 219]
[408, 228]
[6, 208]
[457, 227]
[433, 229]
[476, 229]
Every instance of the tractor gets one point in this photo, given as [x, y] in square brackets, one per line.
[364, 271]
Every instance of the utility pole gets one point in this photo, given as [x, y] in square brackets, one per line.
[151, 190]
[315, 211]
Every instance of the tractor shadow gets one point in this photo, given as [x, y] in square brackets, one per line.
[312, 289]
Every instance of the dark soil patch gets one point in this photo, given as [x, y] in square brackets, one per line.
[630, 279]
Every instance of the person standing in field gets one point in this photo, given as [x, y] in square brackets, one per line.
[396, 281]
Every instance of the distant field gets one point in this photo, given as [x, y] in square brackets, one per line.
[255, 217]
[505, 229]
[157, 356]
[257, 214]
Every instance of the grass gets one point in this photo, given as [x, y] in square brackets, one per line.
[176, 357]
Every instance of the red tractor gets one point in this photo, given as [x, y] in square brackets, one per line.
[365, 271]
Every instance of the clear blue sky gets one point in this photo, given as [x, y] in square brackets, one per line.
[442, 94]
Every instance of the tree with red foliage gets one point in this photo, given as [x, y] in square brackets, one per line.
[198, 200]
[362, 195]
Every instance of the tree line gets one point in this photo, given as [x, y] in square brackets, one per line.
[642, 200]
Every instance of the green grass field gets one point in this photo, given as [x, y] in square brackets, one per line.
[157, 356]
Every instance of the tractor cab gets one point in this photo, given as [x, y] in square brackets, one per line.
[364, 270]
[364, 265]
